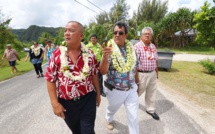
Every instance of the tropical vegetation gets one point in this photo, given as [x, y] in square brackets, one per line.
[151, 13]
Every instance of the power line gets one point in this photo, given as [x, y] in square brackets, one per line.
[96, 6]
[85, 6]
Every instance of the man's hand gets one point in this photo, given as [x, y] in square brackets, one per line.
[59, 110]
[106, 50]
[98, 100]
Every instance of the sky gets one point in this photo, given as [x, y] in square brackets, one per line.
[56, 13]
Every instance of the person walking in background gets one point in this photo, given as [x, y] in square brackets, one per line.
[72, 81]
[97, 50]
[147, 70]
[36, 58]
[11, 56]
[49, 48]
[119, 63]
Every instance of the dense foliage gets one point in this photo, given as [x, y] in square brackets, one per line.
[33, 33]
[205, 25]
[170, 30]
[6, 35]
[208, 65]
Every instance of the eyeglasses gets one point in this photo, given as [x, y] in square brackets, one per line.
[120, 33]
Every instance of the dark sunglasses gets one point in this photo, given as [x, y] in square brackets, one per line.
[120, 33]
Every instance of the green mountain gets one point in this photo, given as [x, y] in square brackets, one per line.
[33, 32]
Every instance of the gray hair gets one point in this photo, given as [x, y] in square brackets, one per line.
[147, 28]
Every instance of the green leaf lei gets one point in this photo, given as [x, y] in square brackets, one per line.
[117, 58]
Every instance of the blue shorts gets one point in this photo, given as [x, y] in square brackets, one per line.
[36, 61]
[12, 63]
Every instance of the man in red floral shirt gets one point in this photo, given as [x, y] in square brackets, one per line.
[72, 81]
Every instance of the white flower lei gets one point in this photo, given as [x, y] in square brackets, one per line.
[117, 58]
[65, 66]
[35, 50]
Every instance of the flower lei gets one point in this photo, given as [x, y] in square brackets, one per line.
[65, 66]
[150, 57]
[118, 60]
[35, 50]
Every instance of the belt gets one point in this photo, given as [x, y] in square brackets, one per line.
[111, 87]
[75, 98]
[142, 71]
[122, 89]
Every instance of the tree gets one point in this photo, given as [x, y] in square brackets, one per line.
[44, 36]
[103, 26]
[181, 20]
[6, 36]
[98, 29]
[102, 18]
[184, 22]
[119, 12]
[205, 25]
[151, 11]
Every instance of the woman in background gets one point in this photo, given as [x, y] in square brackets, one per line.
[49, 48]
[36, 58]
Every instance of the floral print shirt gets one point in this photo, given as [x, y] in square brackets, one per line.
[120, 80]
[66, 88]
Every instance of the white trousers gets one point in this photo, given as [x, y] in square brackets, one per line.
[148, 84]
[130, 100]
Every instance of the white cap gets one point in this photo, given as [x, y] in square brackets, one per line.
[8, 45]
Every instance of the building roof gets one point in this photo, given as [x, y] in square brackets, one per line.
[190, 32]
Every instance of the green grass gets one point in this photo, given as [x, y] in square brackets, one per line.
[192, 50]
[189, 79]
[22, 66]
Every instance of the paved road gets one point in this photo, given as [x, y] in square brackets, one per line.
[25, 109]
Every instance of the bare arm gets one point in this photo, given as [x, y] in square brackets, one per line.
[3, 56]
[96, 86]
[26, 58]
[17, 56]
[45, 52]
[58, 109]
[104, 65]
[42, 54]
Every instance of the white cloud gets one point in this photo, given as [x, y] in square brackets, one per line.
[55, 13]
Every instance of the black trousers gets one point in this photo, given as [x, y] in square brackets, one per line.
[100, 82]
[80, 115]
[38, 68]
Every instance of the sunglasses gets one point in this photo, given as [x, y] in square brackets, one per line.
[120, 33]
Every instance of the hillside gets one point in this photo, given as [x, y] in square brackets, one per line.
[34, 32]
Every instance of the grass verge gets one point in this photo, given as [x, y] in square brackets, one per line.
[190, 80]
[22, 66]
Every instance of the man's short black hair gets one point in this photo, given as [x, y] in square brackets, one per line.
[94, 35]
[121, 24]
[35, 42]
[49, 41]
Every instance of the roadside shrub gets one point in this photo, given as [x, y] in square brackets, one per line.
[208, 65]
